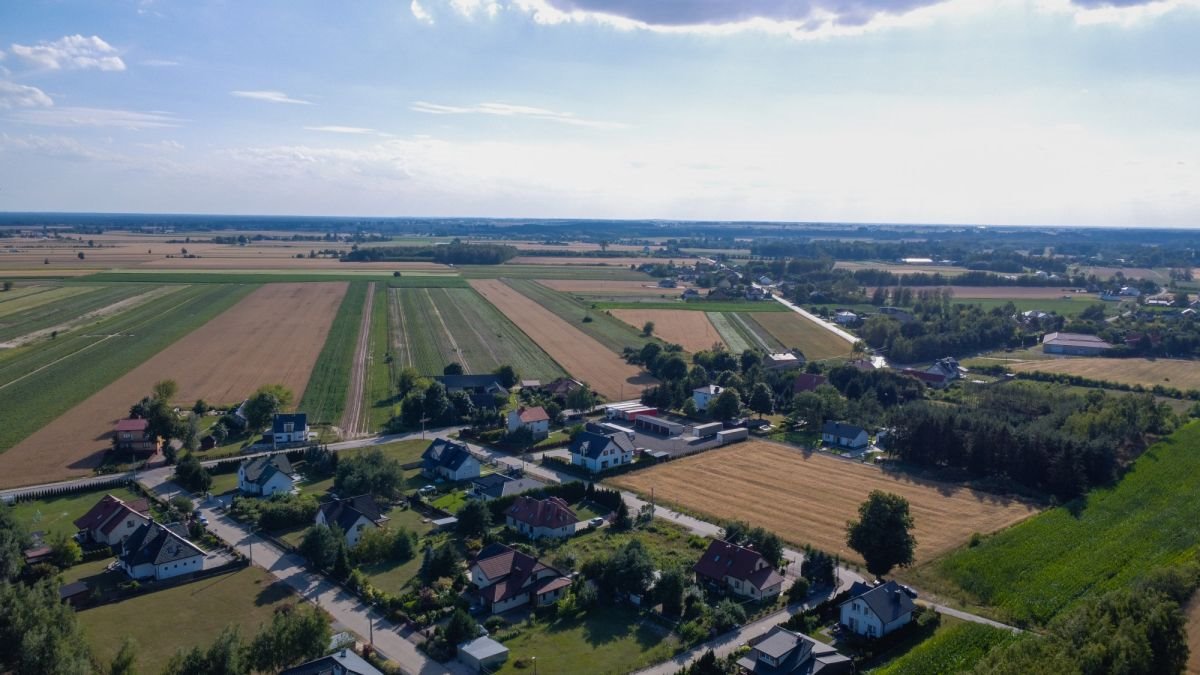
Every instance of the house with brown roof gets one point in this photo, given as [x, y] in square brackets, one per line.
[505, 578]
[562, 386]
[807, 382]
[112, 520]
[537, 518]
[536, 420]
[742, 570]
[133, 435]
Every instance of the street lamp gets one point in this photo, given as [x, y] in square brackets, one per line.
[534, 659]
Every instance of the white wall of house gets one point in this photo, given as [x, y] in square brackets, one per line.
[510, 603]
[859, 441]
[178, 567]
[129, 524]
[539, 532]
[540, 429]
[701, 399]
[468, 470]
[857, 616]
[278, 482]
[612, 456]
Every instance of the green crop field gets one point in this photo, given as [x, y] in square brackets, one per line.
[699, 306]
[952, 649]
[378, 390]
[22, 299]
[613, 272]
[41, 381]
[458, 325]
[325, 397]
[64, 309]
[731, 332]
[407, 280]
[760, 337]
[606, 329]
[1029, 573]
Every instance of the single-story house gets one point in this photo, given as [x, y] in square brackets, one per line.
[846, 318]
[537, 518]
[497, 485]
[341, 662]
[562, 386]
[482, 654]
[505, 578]
[266, 475]
[808, 382]
[536, 420]
[948, 368]
[158, 552]
[876, 611]
[353, 515]
[702, 395]
[133, 435]
[447, 459]
[1076, 344]
[112, 520]
[785, 652]
[289, 428]
[598, 452]
[782, 361]
[844, 435]
[482, 389]
[743, 570]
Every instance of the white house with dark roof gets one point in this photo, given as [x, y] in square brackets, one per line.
[876, 611]
[497, 485]
[157, 552]
[505, 578]
[785, 652]
[844, 435]
[352, 515]
[266, 475]
[536, 420]
[341, 662]
[112, 519]
[598, 452]
[447, 459]
[288, 428]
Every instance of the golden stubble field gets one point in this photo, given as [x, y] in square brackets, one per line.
[273, 335]
[807, 499]
[798, 332]
[610, 287]
[1148, 372]
[684, 327]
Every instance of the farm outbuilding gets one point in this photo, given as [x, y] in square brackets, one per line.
[482, 653]
[1076, 344]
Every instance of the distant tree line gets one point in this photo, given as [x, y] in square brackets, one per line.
[454, 253]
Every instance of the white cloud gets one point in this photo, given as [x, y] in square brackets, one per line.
[270, 96]
[130, 120]
[58, 147]
[160, 63]
[338, 129]
[13, 95]
[73, 52]
[509, 110]
[472, 8]
[419, 12]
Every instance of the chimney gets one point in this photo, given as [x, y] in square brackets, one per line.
[896, 596]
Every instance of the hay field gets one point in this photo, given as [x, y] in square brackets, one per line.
[807, 499]
[581, 355]
[690, 329]
[797, 332]
[1148, 372]
[609, 287]
[611, 262]
[273, 335]
[900, 268]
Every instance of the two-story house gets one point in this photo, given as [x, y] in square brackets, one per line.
[536, 420]
[157, 552]
[702, 396]
[352, 515]
[505, 578]
[740, 569]
[447, 459]
[785, 652]
[112, 520]
[133, 435]
[265, 475]
[537, 518]
[287, 428]
[876, 611]
[598, 452]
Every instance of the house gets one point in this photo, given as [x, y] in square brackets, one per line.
[562, 387]
[785, 652]
[844, 435]
[497, 485]
[690, 294]
[266, 475]
[112, 520]
[353, 515]
[765, 280]
[537, 518]
[483, 654]
[208, 442]
[702, 395]
[536, 420]
[863, 364]
[782, 361]
[876, 611]
[483, 389]
[901, 315]
[808, 382]
[287, 428]
[666, 283]
[948, 368]
[341, 662]
[447, 459]
[157, 552]
[505, 578]
[598, 452]
[934, 380]
[845, 318]
[133, 435]
[1076, 344]
[743, 570]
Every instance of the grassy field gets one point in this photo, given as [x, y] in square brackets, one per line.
[604, 328]
[732, 332]
[325, 397]
[616, 640]
[40, 382]
[22, 299]
[1148, 372]
[57, 515]
[66, 309]
[1031, 572]
[408, 280]
[698, 306]
[517, 271]
[954, 648]
[668, 544]
[378, 390]
[196, 613]
[752, 328]
[798, 332]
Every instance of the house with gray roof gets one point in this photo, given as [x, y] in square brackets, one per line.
[266, 475]
[875, 611]
[598, 452]
[844, 435]
[497, 485]
[341, 662]
[446, 459]
[352, 515]
[785, 652]
[156, 552]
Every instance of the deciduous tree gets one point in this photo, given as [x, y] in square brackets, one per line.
[882, 534]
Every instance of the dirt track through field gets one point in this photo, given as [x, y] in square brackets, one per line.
[692, 330]
[271, 336]
[577, 352]
[399, 330]
[354, 420]
[90, 317]
[807, 499]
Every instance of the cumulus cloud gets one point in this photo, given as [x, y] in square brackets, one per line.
[339, 129]
[270, 96]
[73, 52]
[419, 12]
[130, 120]
[13, 95]
[509, 110]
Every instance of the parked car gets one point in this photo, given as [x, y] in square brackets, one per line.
[596, 522]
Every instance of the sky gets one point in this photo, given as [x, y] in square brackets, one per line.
[1040, 112]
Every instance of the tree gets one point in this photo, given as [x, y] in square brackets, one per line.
[66, 552]
[261, 407]
[39, 634]
[507, 376]
[761, 399]
[669, 590]
[727, 615]
[648, 329]
[321, 545]
[438, 563]
[13, 542]
[191, 434]
[8, 286]
[727, 404]
[80, 254]
[460, 628]
[164, 390]
[689, 407]
[453, 368]
[798, 592]
[882, 534]
[630, 569]
[125, 662]
[707, 664]
[622, 520]
[200, 407]
[474, 519]
[581, 398]
[371, 473]
[191, 475]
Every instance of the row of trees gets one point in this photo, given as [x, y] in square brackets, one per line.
[295, 634]
[454, 253]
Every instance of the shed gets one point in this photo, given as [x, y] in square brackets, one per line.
[482, 653]
[445, 523]
[75, 594]
[710, 429]
[733, 435]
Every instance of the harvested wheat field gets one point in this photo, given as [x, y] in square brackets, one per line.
[581, 355]
[1003, 292]
[808, 498]
[1193, 635]
[272, 336]
[611, 262]
[1147, 372]
[609, 287]
[798, 332]
[684, 327]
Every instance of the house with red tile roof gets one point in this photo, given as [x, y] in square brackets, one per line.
[808, 382]
[537, 518]
[742, 570]
[112, 520]
[133, 435]
[536, 420]
[505, 578]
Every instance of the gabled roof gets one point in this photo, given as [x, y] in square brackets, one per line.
[531, 415]
[808, 382]
[345, 512]
[887, 601]
[562, 386]
[723, 559]
[498, 485]
[551, 512]
[591, 444]
[106, 510]
[486, 382]
[794, 653]
[132, 424]
[446, 453]
[260, 469]
[842, 430]
[1075, 340]
[299, 420]
[710, 389]
[157, 544]
[508, 569]
[342, 661]
[924, 376]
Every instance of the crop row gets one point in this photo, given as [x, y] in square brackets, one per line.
[953, 649]
[85, 299]
[403, 281]
[324, 398]
[606, 329]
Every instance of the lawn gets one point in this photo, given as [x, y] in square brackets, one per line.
[609, 331]
[325, 397]
[177, 618]
[96, 574]
[667, 544]
[56, 515]
[451, 501]
[1032, 571]
[615, 640]
[224, 482]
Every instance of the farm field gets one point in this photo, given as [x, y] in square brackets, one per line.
[732, 332]
[692, 330]
[744, 306]
[378, 391]
[955, 648]
[440, 326]
[58, 318]
[1161, 276]
[1006, 292]
[29, 297]
[355, 420]
[273, 335]
[603, 327]
[807, 498]
[608, 287]
[581, 356]
[409, 280]
[197, 613]
[1147, 372]
[797, 332]
[554, 260]
[325, 390]
[514, 270]
[900, 268]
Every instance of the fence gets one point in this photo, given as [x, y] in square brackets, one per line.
[116, 480]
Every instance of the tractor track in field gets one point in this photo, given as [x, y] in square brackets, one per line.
[353, 424]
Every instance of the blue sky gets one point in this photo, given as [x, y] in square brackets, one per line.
[961, 111]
